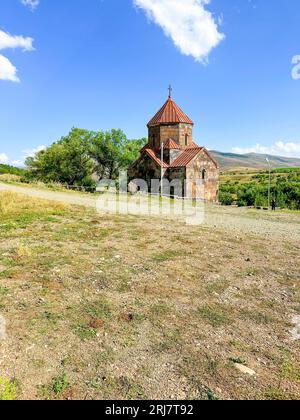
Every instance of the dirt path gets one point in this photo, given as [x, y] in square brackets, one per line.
[279, 225]
[65, 197]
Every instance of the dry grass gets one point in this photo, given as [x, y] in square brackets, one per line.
[13, 204]
[10, 178]
[132, 308]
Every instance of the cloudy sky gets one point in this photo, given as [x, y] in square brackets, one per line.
[99, 64]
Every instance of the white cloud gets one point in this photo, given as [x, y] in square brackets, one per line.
[12, 41]
[21, 161]
[188, 23]
[7, 70]
[33, 4]
[3, 158]
[33, 152]
[18, 163]
[278, 149]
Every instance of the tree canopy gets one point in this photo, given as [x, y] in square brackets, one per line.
[75, 158]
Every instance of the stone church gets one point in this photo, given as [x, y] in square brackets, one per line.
[172, 152]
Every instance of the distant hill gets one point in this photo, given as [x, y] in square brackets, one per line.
[253, 160]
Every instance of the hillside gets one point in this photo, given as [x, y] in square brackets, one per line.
[253, 160]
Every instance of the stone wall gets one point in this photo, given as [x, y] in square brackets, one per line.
[177, 174]
[200, 167]
[171, 155]
[211, 176]
[145, 168]
[177, 132]
[154, 137]
[185, 129]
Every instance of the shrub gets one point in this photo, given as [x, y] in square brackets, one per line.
[242, 203]
[226, 198]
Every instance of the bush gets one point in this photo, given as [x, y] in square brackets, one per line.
[226, 199]
[241, 203]
[261, 201]
[254, 194]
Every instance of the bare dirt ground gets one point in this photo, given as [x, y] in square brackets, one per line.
[105, 306]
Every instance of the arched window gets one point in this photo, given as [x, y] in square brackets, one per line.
[204, 174]
[186, 139]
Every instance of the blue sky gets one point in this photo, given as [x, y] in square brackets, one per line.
[101, 64]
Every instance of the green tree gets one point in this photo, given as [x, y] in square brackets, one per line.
[112, 151]
[66, 161]
[226, 198]
[76, 157]
[105, 149]
[131, 152]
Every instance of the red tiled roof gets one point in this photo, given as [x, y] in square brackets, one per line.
[170, 113]
[172, 145]
[186, 157]
[147, 146]
[151, 153]
[183, 160]
[193, 146]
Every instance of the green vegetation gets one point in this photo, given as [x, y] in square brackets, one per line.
[168, 255]
[76, 157]
[7, 169]
[8, 390]
[54, 390]
[285, 170]
[248, 188]
[226, 198]
[60, 384]
[216, 316]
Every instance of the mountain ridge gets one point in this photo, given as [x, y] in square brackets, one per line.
[253, 160]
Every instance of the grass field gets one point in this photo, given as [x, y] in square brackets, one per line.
[108, 307]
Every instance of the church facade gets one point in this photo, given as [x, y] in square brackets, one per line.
[171, 152]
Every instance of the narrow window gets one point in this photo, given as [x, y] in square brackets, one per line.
[186, 139]
[172, 192]
[204, 174]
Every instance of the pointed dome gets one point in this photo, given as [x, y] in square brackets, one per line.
[170, 113]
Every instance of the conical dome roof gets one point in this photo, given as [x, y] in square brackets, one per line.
[170, 113]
